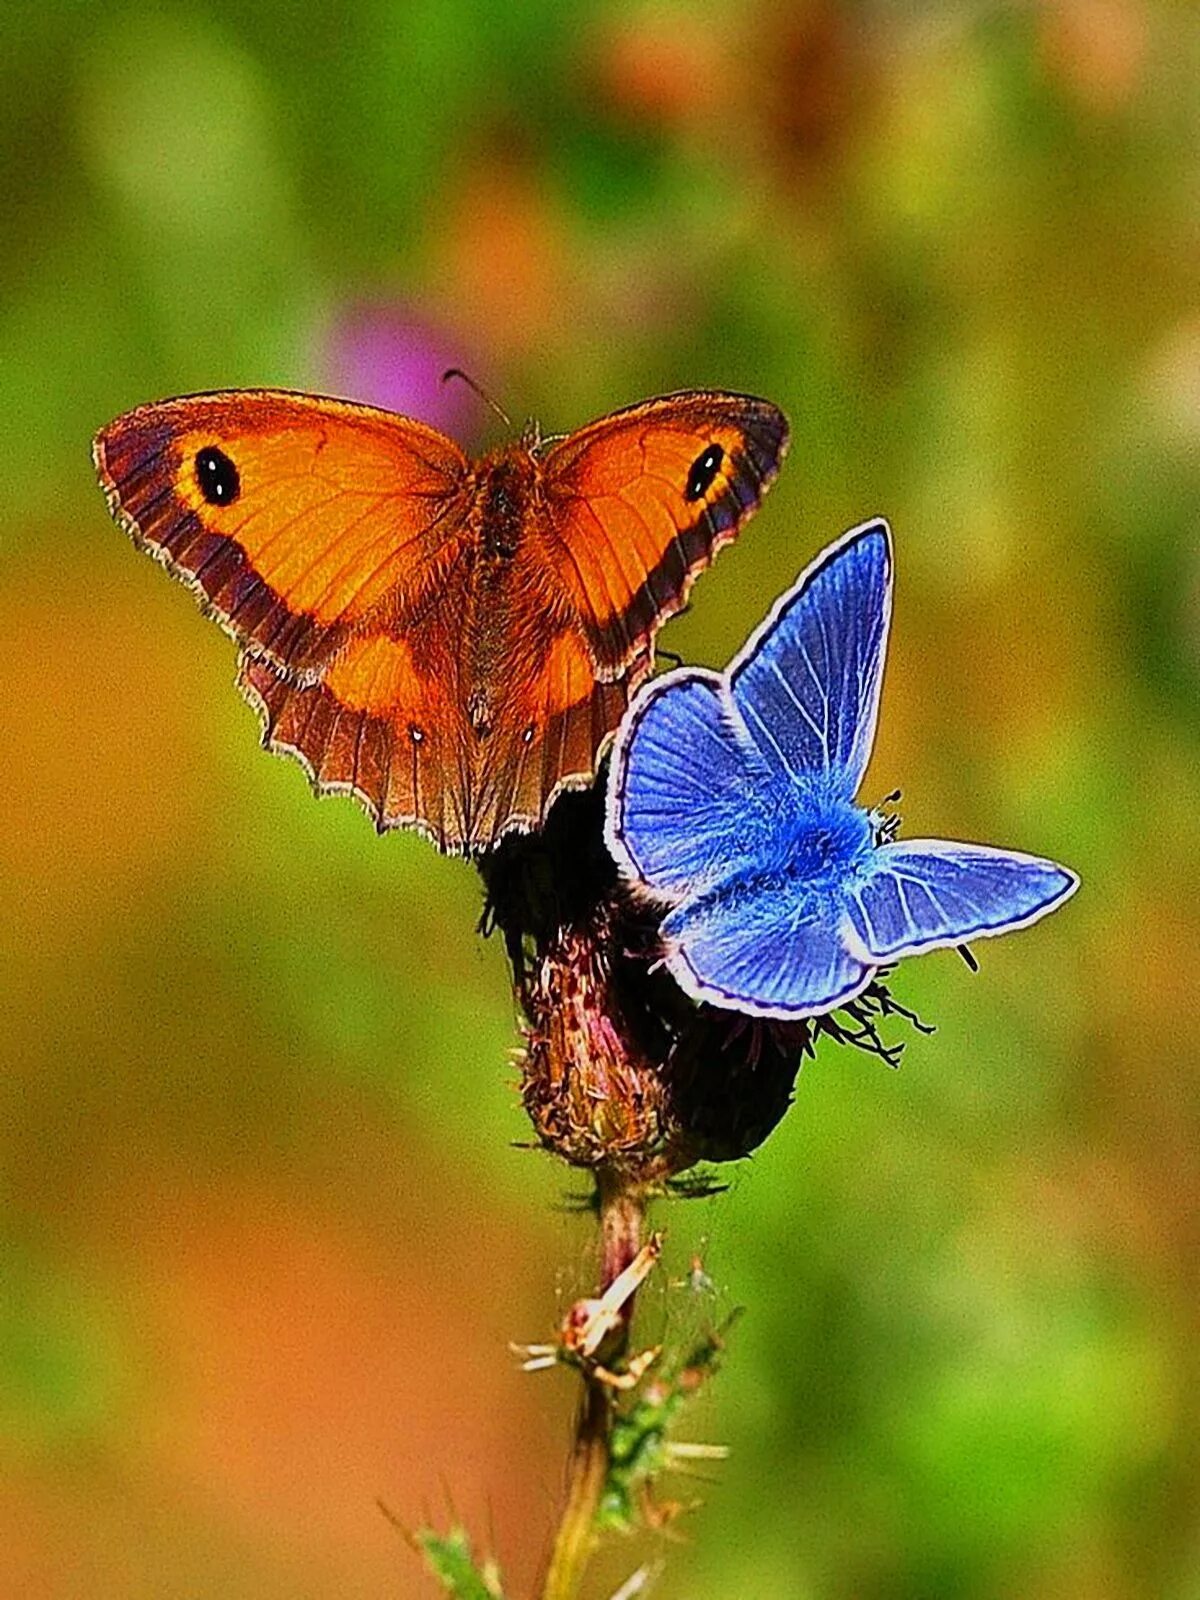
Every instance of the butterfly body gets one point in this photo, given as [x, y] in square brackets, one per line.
[451, 642]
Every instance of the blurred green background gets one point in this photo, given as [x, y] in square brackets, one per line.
[264, 1233]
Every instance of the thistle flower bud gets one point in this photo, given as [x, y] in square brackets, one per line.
[592, 1079]
[620, 1068]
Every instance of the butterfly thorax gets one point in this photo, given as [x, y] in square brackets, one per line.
[827, 840]
[818, 848]
[504, 487]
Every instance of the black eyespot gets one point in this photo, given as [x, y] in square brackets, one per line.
[217, 476]
[703, 470]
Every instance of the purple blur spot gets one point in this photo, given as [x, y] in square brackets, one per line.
[386, 356]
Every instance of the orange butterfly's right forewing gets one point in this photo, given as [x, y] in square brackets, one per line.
[639, 502]
[291, 516]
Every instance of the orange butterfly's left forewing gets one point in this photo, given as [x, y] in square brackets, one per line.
[289, 515]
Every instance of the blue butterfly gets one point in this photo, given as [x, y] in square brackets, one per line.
[731, 798]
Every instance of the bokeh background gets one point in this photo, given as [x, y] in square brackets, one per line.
[264, 1228]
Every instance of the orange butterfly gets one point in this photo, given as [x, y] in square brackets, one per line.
[451, 642]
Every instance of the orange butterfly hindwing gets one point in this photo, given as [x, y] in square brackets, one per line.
[451, 643]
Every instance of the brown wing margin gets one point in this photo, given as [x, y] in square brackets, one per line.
[331, 507]
[640, 502]
[404, 783]
[400, 781]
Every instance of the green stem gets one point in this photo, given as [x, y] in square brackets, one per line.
[621, 1208]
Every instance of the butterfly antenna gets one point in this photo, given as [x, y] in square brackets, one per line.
[457, 372]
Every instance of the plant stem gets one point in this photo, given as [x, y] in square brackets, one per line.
[621, 1207]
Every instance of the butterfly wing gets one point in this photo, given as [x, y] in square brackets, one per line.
[325, 537]
[290, 516]
[924, 894]
[637, 504]
[703, 809]
[688, 793]
[382, 723]
[698, 816]
[609, 544]
[553, 718]
[764, 944]
[807, 682]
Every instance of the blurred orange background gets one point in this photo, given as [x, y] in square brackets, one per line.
[265, 1229]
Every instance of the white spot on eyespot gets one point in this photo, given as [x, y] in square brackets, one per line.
[527, 736]
[415, 733]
